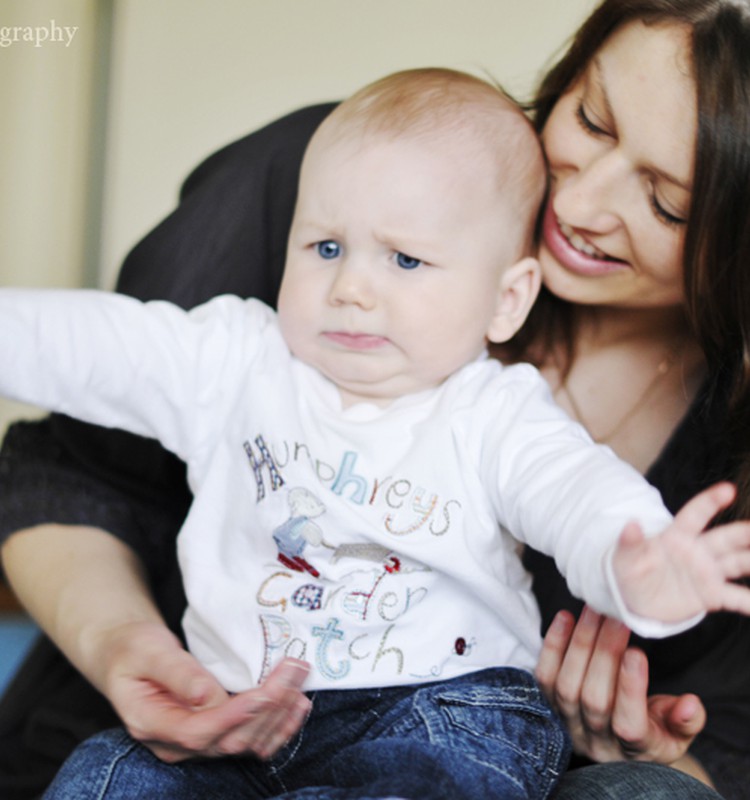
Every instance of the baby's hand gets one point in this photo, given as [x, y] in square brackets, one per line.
[685, 571]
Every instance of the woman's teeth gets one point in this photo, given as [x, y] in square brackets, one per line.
[580, 244]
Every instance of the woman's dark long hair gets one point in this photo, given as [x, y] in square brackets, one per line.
[717, 241]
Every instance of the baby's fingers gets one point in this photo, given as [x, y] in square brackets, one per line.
[729, 546]
[697, 513]
[729, 539]
[735, 597]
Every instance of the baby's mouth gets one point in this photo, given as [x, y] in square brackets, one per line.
[356, 341]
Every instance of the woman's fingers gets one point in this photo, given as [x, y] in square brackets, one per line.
[630, 720]
[150, 679]
[258, 721]
[554, 647]
[175, 707]
[659, 728]
[578, 670]
[175, 733]
[569, 684]
[601, 683]
[178, 672]
[600, 687]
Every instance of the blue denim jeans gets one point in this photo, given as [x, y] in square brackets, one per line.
[489, 734]
[632, 780]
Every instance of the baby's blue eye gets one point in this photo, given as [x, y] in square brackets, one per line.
[407, 262]
[328, 249]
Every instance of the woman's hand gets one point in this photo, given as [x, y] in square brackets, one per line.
[87, 591]
[600, 688]
[173, 706]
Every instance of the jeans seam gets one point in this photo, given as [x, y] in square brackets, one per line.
[275, 769]
[114, 764]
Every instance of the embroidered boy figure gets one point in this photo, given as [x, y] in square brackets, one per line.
[295, 533]
[409, 251]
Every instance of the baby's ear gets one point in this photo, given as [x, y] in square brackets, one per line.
[518, 289]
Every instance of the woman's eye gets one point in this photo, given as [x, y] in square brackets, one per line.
[328, 249]
[586, 123]
[662, 214]
[407, 262]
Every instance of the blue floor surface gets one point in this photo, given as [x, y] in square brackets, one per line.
[17, 633]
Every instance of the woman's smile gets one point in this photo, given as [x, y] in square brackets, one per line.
[573, 251]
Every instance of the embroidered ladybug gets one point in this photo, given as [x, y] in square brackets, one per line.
[393, 566]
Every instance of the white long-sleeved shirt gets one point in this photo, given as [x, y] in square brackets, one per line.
[379, 544]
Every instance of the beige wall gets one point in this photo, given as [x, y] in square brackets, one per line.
[190, 75]
[46, 112]
[187, 76]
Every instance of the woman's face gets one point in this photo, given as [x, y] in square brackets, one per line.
[620, 148]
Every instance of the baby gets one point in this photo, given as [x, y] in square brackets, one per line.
[364, 475]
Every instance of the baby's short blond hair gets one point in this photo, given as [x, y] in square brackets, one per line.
[479, 117]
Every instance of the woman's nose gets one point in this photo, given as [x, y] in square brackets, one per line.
[592, 196]
[352, 285]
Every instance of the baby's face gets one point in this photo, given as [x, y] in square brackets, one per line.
[394, 262]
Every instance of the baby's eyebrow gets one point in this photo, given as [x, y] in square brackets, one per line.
[312, 226]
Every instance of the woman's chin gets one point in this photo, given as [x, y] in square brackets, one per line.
[574, 286]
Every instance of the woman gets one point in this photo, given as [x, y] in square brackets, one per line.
[676, 308]
[642, 255]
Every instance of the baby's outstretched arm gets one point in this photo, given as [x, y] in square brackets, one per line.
[686, 570]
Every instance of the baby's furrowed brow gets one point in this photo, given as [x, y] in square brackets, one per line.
[310, 227]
